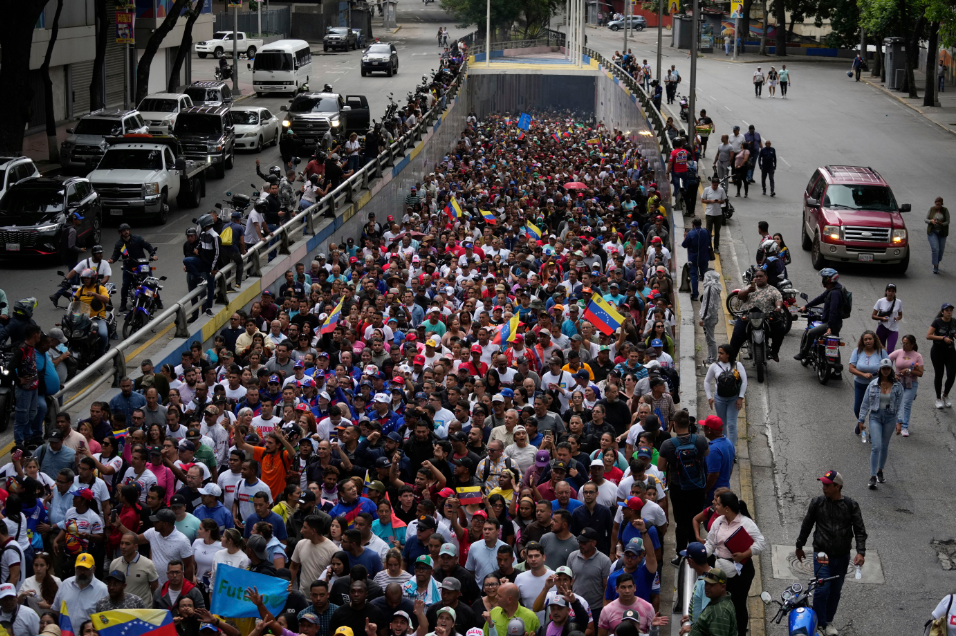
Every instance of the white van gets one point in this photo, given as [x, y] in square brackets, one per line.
[281, 67]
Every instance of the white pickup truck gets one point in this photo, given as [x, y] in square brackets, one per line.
[221, 45]
[139, 175]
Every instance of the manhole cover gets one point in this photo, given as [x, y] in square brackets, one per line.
[804, 569]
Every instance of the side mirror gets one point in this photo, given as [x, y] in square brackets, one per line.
[346, 108]
[812, 203]
[906, 207]
[249, 66]
[284, 108]
[765, 597]
[69, 131]
[180, 163]
[804, 296]
[218, 206]
[253, 186]
[162, 278]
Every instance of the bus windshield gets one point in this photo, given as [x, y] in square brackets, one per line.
[273, 61]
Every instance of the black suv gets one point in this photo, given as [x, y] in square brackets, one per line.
[33, 215]
[208, 134]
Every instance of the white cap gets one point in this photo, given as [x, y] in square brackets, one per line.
[324, 394]
[382, 398]
[211, 489]
[7, 589]
[371, 370]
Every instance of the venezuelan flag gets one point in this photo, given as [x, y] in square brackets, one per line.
[139, 622]
[489, 217]
[66, 625]
[124, 251]
[533, 231]
[468, 495]
[329, 325]
[593, 142]
[121, 434]
[453, 210]
[507, 331]
[602, 315]
[520, 136]
[555, 137]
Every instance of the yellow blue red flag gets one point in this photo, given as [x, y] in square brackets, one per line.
[129, 622]
[329, 325]
[533, 231]
[602, 315]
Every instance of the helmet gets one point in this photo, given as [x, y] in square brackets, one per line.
[261, 206]
[275, 171]
[327, 88]
[829, 275]
[769, 247]
[192, 232]
[25, 307]
[314, 178]
[123, 228]
[205, 221]
[87, 273]
[97, 249]
[304, 88]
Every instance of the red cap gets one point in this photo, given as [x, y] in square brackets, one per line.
[390, 218]
[712, 422]
[353, 260]
[419, 360]
[411, 337]
[481, 513]
[301, 407]
[476, 348]
[86, 493]
[446, 492]
[634, 503]
[399, 380]
[656, 239]
[519, 337]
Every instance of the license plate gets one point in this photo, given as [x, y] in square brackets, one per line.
[13, 247]
[309, 140]
[864, 257]
[116, 212]
[377, 63]
[832, 351]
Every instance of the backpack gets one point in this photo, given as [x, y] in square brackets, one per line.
[484, 477]
[226, 236]
[846, 302]
[690, 466]
[728, 382]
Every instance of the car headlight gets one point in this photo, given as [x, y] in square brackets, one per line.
[48, 228]
[67, 144]
[899, 236]
[831, 232]
[150, 189]
[286, 123]
[214, 147]
[335, 123]
[365, 59]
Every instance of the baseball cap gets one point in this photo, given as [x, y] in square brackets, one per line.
[476, 348]
[426, 522]
[656, 342]
[696, 552]
[564, 570]
[559, 465]
[559, 600]
[306, 497]
[716, 575]
[383, 462]
[7, 589]
[508, 393]
[57, 434]
[187, 445]
[446, 493]
[418, 360]
[450, 582]
[542, 458]
[631, 615]
[597, 463]
[587, 534]
[635, 545]
[115, 574]
[344, 631]
[382, 398]
[831, 477]
[451, 550]
[516, 627]
[176, 501]
[885, 363]
[424, 559]
[448, 610]
[376, 486]
[86, 560]
[273, 379]
[211, 489]
[399, 613]
[634, 503]
[258, 545]
[86, 493]
[497, 397]
[712, 422]
[164, 514]
[582, 374]
[57, 334]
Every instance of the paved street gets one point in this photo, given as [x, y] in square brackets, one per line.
[799, 429]
[418, 54]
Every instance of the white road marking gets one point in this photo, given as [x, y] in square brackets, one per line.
[745, 122]
[786, 162]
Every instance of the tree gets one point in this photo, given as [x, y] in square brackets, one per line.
[766, 27]
[53, 146]
[19, 20]
[780, 10]
[932, 55]
[744, 33]
[142, 71]
[102, 34]
[185, 46]
[468, 12]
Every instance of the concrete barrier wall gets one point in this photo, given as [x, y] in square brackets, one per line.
[525, 92]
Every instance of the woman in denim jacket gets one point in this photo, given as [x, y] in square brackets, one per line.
[883, 398]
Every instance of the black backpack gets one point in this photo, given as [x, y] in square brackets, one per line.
[690, 466]
[728, 382]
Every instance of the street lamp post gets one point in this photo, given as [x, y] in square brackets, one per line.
[660, 35]
[488, 34]
[691, 100]
[235, 49]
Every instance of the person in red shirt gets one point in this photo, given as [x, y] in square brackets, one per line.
[677, 166]
[475, 366]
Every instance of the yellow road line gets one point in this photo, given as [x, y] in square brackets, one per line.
[146, 344]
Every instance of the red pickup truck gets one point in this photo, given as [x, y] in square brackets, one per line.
[851, 216]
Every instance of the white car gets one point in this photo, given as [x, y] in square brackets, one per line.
[221, 45]
[13, 170]
[159, 111]
[256, 127]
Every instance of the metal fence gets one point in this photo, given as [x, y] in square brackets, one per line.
[274, 21]
[112, 366]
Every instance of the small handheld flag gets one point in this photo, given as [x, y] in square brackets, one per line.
[124, 251]
[507, 331]
[129, 622]
[468, 495]
[602, 315]
[489, 217]
[533, 231]
[555, 137]
[66, 625]
[329, 325]
[453, 210]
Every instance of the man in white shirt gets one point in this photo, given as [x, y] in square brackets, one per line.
[246, 489]
[138, 475]
[234, 390]
[758, 82]
[266, 421]
[607, 490]
[712, 199]
[736, 140]
[532, 580]
[559, 381]
[229, 479]
[25, 622]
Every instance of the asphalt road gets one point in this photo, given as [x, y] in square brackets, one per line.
[418, 54]
[799, 429]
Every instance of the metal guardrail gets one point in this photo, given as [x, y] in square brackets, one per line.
[112, 365]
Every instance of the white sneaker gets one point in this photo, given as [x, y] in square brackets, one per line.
[906, 432]
[831, 631]
[947, 402]
[939, 404]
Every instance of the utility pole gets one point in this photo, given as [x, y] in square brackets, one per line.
[259, 16]
[736, 35]
[235, 50]
[488, 35]
[627, 21]
[660, 35]
[691, 100]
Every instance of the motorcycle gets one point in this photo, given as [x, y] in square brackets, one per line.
[789, 294]
[684, 107]
[223, 73]
[825, 352]
[797, 605]
[758, 328]
[143, 299]
[8, 382]
[84, 341]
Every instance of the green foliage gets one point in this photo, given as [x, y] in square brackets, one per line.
[468, 12]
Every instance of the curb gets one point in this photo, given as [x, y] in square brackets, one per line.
[767, 59]
[902, 100]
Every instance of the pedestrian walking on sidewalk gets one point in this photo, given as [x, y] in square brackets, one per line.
[942, 331]
[697, 242]
[858, 65]
[772, 78]
[909, 369]
[710, 312]
[884, 396]
[768, 166]
[725, 386]
[888, 311]
[712, 200]
[686, 477]
[758, 82]
[835, 520]
[937, 229]
[741, 166]
[784, 81]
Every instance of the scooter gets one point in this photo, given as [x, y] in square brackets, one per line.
[786, 290]
[825, 352]
[684, 107]
[797, 605]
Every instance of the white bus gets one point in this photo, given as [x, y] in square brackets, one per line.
[281, 67]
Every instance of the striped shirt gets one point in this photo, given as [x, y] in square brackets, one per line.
[717, 619]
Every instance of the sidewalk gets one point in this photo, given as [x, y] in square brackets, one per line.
[943, 115]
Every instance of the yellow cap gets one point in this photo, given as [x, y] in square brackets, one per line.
[345, 631]
[85, 561]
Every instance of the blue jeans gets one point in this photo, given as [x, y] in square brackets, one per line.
[697, 270]
[198, 269]
[826, 598]
[882, 427]
[36, 424]
[937, 244]
[25, 410]
[859, 390]
[908, 396]
[727, 411]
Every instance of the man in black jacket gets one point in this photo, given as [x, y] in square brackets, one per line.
[205, 265]
[449, 568]
[838, 520]
[130, 247]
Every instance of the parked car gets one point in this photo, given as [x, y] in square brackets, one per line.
[339, 38]
[380, 58]
[221, 45]
[637, 22]
[159, 111]
[87, 140]
[256, 127]
[851, 216]
[210, 93]
[13, 170]
[33, 215]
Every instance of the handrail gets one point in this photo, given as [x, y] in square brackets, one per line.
[113, 364]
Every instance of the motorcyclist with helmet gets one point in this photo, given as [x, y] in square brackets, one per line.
[274, 171]
[69, 250]
[94, 297]
[761, 295]
[224, 69]
[287, 144]
[205, 265]
[95, 262]
[832, 319]
[374, 144]
[769, 262]
[131, 248]
[20, 318]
